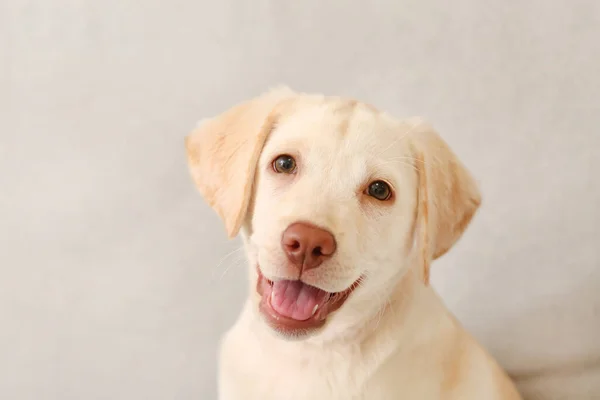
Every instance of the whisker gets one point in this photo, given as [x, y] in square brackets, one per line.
[400, 162]
[225, 257]
[380, 313]
[238, 262]
[229, 255]
[398, 140]
[406, 158]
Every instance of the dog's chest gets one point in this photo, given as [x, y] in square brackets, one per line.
[265, 374]
[253, 370]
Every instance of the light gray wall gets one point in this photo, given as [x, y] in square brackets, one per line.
[114, 277]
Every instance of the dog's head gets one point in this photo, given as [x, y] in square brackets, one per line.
[336, 202]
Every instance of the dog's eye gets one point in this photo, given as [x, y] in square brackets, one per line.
[284, 164]
[379, 190]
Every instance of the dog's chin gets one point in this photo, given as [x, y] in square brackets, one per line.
[295, 309]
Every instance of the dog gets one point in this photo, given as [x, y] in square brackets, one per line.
[342, 208]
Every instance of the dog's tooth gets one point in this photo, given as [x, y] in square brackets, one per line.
[315, 309]
[272, 296]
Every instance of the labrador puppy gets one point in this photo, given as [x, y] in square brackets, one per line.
[342, 209]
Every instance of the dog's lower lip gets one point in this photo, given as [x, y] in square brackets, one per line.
[292, 326]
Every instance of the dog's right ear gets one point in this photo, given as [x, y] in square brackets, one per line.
[223, 152]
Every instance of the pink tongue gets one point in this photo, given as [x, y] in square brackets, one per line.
[296, 300]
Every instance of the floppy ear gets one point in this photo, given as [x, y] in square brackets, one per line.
[448, 194]
[222, 154]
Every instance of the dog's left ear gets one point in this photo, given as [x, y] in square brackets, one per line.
[223, 153]
[448, 194]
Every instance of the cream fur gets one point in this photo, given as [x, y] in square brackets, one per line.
[393, 338]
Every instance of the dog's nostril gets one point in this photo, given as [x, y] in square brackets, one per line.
[295, 245]
[317, 251]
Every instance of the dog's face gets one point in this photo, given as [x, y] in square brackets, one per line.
[336, 202]
[333, 208]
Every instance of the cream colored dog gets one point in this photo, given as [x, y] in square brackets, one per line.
[342, 208]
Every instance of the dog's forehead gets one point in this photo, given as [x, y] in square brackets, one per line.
[339, 127]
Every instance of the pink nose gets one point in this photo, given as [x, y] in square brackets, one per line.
[306, 245]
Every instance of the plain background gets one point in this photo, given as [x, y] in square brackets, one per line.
[116, 280]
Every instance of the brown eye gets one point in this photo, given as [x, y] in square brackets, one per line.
[284, 164]
[379, 190]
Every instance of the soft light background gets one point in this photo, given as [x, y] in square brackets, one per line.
[114, 277]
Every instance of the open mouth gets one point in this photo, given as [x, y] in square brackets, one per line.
[292, 306]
